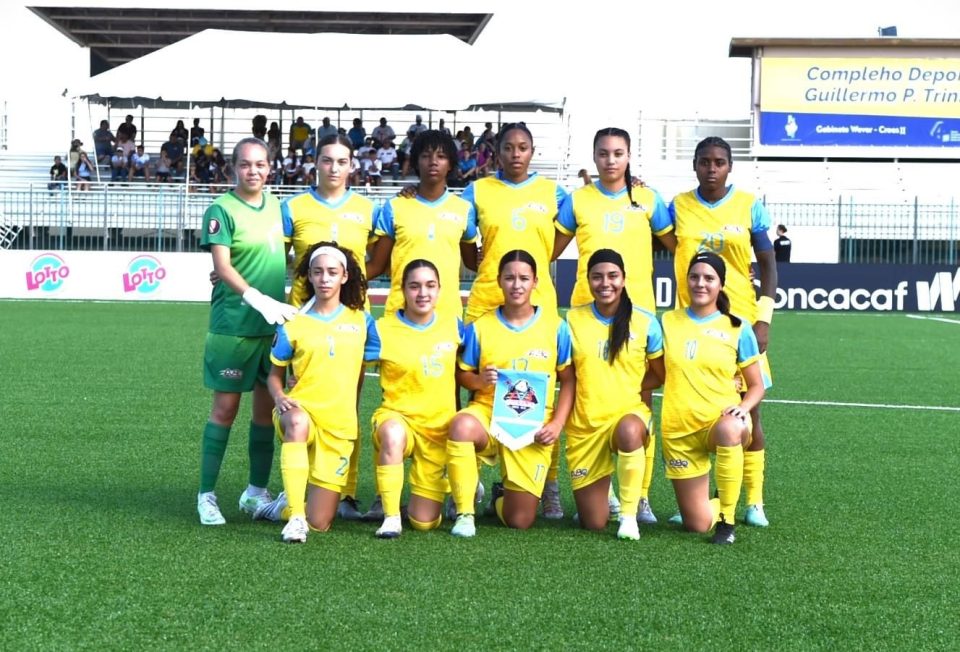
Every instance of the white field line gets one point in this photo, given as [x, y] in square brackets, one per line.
[943, 319]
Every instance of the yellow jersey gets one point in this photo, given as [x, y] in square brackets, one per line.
[432, 230]
[725, 228]
[702, 356]
[308, 219]
[513, 216]
[606, 392]
[417, 364]
[326, 354]
[541, 345]
[600, 219]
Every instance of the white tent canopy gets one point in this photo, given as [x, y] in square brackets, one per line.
[329, 70]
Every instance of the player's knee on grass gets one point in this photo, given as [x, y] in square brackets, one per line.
[518, 513]
[425, 526]
[594, 520]
[631, 433]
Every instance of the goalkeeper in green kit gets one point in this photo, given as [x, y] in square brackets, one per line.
[243, 231]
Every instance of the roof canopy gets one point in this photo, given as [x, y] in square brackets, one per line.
[328, 71]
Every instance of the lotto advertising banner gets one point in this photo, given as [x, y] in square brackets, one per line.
[105, 275]
[889, 102]
[803, 286]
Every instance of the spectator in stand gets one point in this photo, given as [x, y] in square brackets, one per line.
[485, 159]
[468, 137]
[488, 136]
[466, 167]
[273, 142]
[259, 128]
[585, 176]
[163, 168]
[388, 159]
[364, 149]
[357, 134]
[383, 132]
[356, 170]
[372, 169]
[180, 133]
[416, 128]
[119, 166]
[197, 133]
[299, 133]
[126, 145]
[58, 174]
[309, 165]
[103, 142]
[442, 128]
[84, 169]
[174, 151]
[291, 167]
[458, 141]
[75, 149]
[138, 164]
[201, 165]
[221, 173]
[326, 129]
[128, 129]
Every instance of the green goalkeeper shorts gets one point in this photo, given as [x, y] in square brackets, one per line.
[234, 364]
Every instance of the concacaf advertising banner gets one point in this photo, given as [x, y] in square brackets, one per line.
[887, 102]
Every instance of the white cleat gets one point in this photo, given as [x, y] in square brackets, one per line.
[250, 503]
[272, 511]
[295, 531]
[464, 527]
[628, 530]
[550, 501]
[391, 528]
[209, 510]
[645, 515]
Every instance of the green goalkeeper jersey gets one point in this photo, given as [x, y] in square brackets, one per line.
[255, 237]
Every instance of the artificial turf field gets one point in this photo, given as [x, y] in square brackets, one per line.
[103, 407]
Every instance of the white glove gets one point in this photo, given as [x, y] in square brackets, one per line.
[273, 311]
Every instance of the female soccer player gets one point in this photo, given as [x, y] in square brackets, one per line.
[244, 233]
[417, 350]
[730, 222]
[609, 415]
[317, 419]
[613, 214]
[516, 336]
[704, 347]
[434, 225]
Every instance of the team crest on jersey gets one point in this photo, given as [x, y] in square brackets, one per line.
[348, 328]
[720, 335]
[213, 226]
[733, 228]
[538, 354]
[352, 217]
[444, 347]
[520, 397]
[450, 217]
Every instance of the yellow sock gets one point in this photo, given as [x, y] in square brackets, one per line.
[390, 483]
[350, 488]
[295, 469]
[754, 463]
[463, 474]
[651, 449]
[715, 507]
[554, 471]
[498, 505]
[630, 473]
[423, 526]
[729, 476]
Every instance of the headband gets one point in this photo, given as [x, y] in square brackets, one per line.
[605, 256]
[329, 251]
[715, 261]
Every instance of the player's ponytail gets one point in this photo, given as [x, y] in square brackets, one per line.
[616, 132]
[723, 305]
[620, 327]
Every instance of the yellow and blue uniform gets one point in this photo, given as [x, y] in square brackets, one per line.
[417, 365]
[432, 230]
[600, 219]
[542, 345]
[326, 354]
[605, 392]
[308, 219]
[513, 216]
[703, 355]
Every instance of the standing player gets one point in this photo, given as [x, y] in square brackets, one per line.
[519, 336]
[704, 347]
[317, 419]
[244, 233]
[612, 214]
[733, 224]
[612, 343]
[417, 350]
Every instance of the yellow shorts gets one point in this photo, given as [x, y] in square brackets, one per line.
[688, 456]
[522, 470]
[428, 466]
[590, 457]
[765, 374]
[329, 455]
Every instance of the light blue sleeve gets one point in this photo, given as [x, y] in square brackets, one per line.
[564, 345]
[470, 356]
[747, 346]
[654, 337]
[661, 220]
[672, 212]
[470, 233]
[759, 217]
[375, 217]
[371, 348]
[385, 221]
[565, 218]
[561, 197]
[282, 349]
[470, 194]
[287, 218]
[460, 331]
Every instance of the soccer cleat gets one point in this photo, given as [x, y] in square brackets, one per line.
[644, 513]
[723, 534]
[464, 527]
[295, 531]
[755, 516]
[629, 529]
[349, 509]
[481, 493]
[273, 510]
[375, 513]
[614, 503]
[450, 509]
[496, 490]
[391, 528]
[550, 501]
[209, 510]
[676, 519]
[250, 503]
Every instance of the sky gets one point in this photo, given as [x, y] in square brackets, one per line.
[615, 58]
